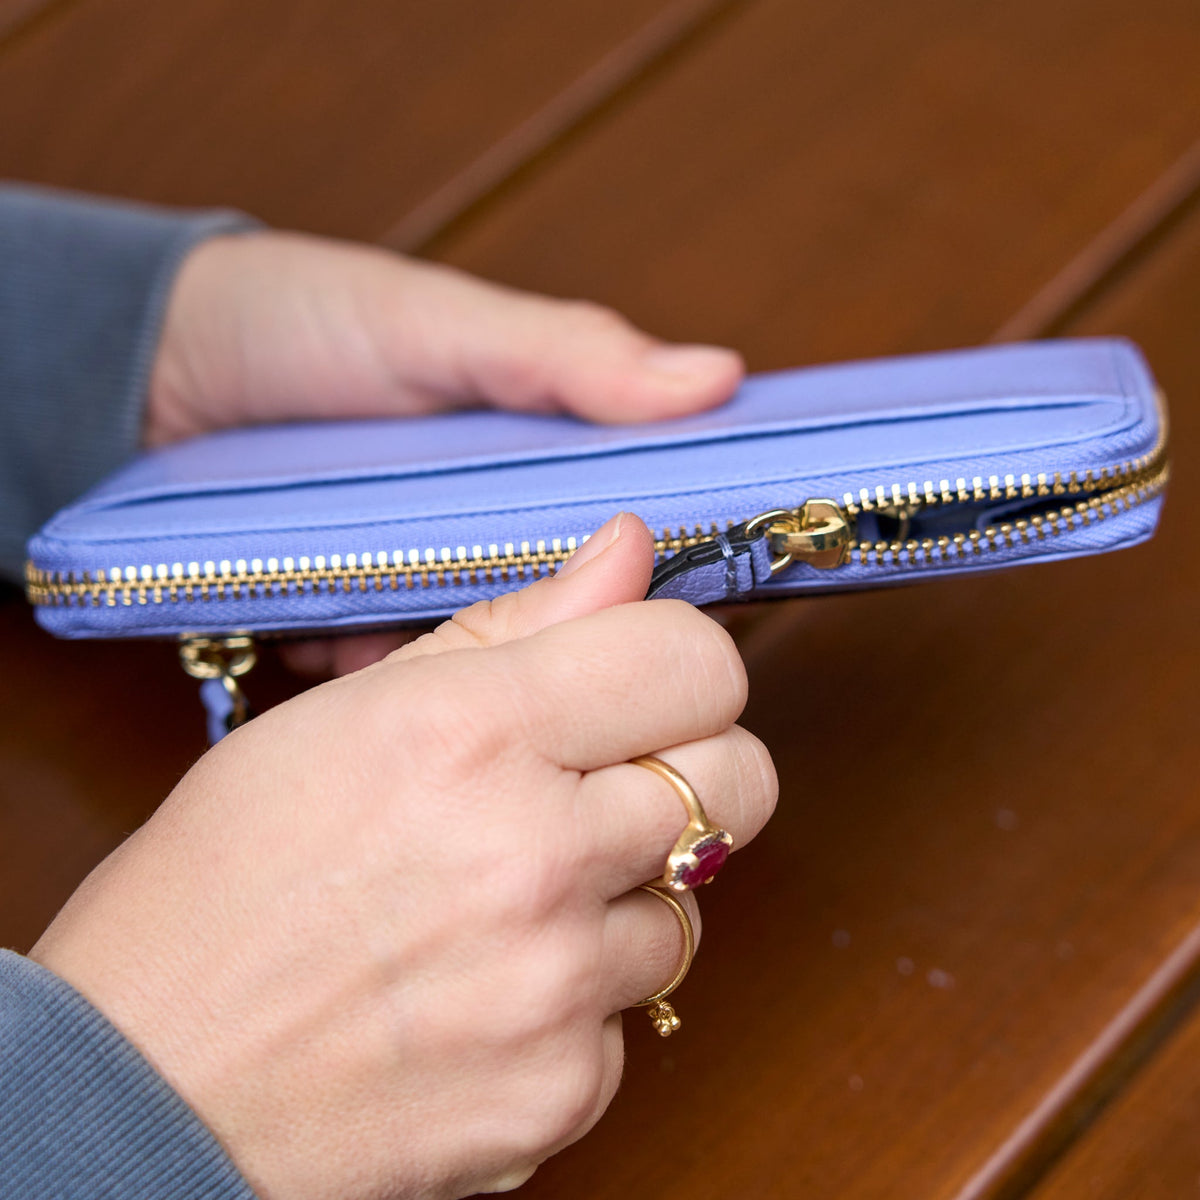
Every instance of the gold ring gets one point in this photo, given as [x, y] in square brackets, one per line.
[661, 1013]
[701, 849]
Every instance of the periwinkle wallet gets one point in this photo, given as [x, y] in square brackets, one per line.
[845, 476]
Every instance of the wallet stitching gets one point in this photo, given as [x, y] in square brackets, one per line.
[362, 517]
[1126, 389]
[381, 475]
[158, 618]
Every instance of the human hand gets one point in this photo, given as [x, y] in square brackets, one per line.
[377, 937]
[265, 327]
[272, 326]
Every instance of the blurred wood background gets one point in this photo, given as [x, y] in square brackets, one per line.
[964, 961]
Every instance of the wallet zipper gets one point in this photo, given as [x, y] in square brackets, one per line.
[821, 533]
[874, 527]
[828, 533]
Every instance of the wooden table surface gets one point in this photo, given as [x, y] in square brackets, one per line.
[964, 960]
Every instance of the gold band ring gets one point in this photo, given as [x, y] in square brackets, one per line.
[662, 1014]
[701, 849]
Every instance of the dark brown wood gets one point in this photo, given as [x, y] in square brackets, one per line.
[1096, 271]
[1146, 1143]
[92, 737]
[16, 14]
[669, 33]
[1069, 1107]
[987, 846]
[1146, 1146]
[335, 118]
[340, 118]
[831, 181]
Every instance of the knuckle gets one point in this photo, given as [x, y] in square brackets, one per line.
[548, 1018]
[523, 382]
[535, 381]
[550, 989]
[475, 627]
[453, 722]
[717, 667]
[573, 1093]
[589, 318]
[756, 769]
[660, 948]
[680, 657]
[527, 887]
[508, 1181]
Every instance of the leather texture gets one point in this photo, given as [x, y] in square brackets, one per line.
[443, 486]
[728, 567]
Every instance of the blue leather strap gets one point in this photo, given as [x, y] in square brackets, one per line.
[225, 705]
[726, 567]
[218, 705]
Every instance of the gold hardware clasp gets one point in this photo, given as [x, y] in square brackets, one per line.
[222, 659]
[818, 534]
[217, 657]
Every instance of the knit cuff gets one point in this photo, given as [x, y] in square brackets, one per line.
[83, 292]
[83, 1116]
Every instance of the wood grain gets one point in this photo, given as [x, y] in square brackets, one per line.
[16, 14]
[339, 118]
[347, 119]
[987, 841]
[830, 181]
[93, 736]
[671, 32]
[1145, 1145]
[1096, 271]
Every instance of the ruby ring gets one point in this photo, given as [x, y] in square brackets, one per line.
[701, 849]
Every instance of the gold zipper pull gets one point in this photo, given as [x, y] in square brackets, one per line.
[218, 662]
[818, 533]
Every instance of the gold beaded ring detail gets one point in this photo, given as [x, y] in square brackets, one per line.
[661, 1013]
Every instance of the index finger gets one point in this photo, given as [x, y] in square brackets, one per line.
[624, 681]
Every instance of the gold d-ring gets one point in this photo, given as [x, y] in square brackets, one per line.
[661, 1013]
[701, 849]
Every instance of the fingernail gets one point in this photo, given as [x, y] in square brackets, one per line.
[595, 545]
[688, 364]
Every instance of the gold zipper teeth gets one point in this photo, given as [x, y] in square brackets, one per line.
[242, 580]
[1054, 521]
[1027, 487]
[1105, 492]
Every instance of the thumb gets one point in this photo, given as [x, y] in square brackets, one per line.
[612, 567]
[481, 342]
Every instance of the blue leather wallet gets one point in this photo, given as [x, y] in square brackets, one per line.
[845, 476]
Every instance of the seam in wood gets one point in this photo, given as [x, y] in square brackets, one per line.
[1098, 1075]
[1111, 255]
[20, 17]
[1107, 259]
[594, 93]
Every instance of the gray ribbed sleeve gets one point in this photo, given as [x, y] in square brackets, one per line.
[83, 286]
[83, 1116]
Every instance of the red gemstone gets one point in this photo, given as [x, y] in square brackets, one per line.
[711, 859]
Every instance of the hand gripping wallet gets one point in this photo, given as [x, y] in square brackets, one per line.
[845, 476]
